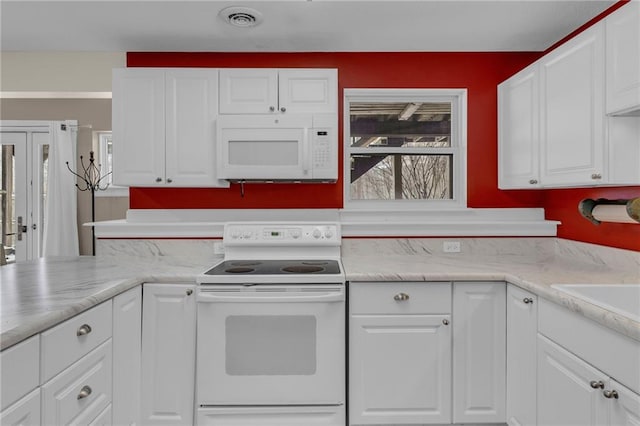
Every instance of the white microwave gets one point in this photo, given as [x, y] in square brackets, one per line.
[299, 147]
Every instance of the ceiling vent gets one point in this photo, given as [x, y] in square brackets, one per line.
[243, 17]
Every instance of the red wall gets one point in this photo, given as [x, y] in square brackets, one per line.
[480, 73]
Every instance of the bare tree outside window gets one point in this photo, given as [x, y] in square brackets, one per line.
[401, 151]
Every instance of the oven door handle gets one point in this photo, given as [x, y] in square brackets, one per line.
[255, 298]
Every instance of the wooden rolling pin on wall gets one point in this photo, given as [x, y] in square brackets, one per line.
[603, 210]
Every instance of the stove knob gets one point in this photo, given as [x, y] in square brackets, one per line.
[235, 235]
[316, 233]
[246, 234]
[328, 233]
[295, 234]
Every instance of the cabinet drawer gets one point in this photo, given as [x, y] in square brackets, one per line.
[67, 342]
[400, 298]
[104, 418]
[20, 370]
[81, 392]
[25, 412]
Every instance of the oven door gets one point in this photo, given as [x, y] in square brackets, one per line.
[271, 345]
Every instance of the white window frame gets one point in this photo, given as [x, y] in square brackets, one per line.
[100, 141]
[458, 149]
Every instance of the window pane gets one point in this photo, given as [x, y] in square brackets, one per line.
[395, 176]
[405, 124]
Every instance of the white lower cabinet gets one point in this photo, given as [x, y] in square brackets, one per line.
[522, 327]
[169, 353]
[479, 347]
[25, 412]
[569, 389]
[400, 353]
[127, 347]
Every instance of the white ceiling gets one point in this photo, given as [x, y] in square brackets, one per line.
[292, 26]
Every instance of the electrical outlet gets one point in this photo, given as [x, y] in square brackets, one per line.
[451, 247]
[218, 248]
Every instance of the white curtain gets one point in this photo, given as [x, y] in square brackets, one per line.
[60, 216]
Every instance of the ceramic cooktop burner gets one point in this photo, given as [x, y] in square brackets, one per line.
[275, 267]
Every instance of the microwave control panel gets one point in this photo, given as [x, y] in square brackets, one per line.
[321, 148]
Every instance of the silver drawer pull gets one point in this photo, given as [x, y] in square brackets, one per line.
[445, 321]
[597, 384]
[401, 297]
[84, 329]
[596, 176]
[527, 300]
[610, 394]
[84, 392]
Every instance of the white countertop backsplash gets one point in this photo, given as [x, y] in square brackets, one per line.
[40, 294]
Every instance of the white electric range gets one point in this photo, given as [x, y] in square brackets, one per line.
[271, 328]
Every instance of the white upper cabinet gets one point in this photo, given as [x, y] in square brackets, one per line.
[623, 60]
[164, 127]
[138, 127]
[572, 113]
[518, 133]
[278, 91]
[553, 129]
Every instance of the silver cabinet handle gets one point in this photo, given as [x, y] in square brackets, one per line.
[401, 297]
[610, 394]
[445, 321]
[527, 300]
[533, 181]
[597, 384]
[272, 108]
[596, 176]
[189, 292]
[283, 109]
[84, 329]
[84, 392]
[158, 179]
[169, 180]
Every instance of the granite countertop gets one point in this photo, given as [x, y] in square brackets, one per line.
[40, 294]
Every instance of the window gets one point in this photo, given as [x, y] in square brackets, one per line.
[405, 148]
[105, 161]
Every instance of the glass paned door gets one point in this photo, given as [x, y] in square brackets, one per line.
[23, 192]
[13, 196]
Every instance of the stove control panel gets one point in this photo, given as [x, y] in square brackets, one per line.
[281, 234]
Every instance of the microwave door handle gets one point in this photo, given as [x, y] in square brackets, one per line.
[305, 152]
[228, 298]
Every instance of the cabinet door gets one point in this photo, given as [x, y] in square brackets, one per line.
[572, 84]
[168, 351]
[625, 410]
[479, 347]
[400, 369]
[518, 130]
[522, 325]
[308, 90]
[248, 91]
[127, 335]
[25, 412]
[623, 58]
[566, 396]
[191, 111]
[138, 127]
